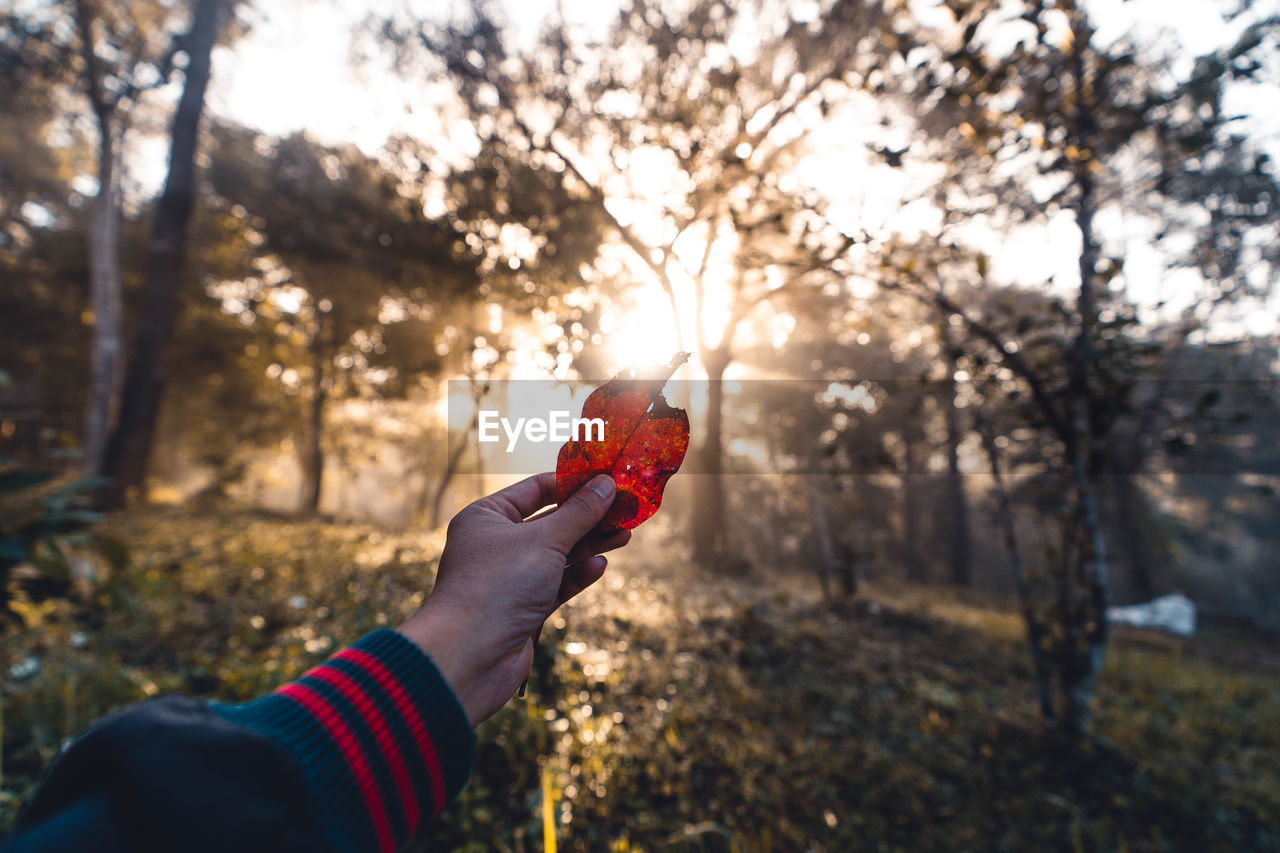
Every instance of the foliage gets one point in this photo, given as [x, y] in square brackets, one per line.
[701, 714]
[41, 523]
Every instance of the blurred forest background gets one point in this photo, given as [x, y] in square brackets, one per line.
[981, 300]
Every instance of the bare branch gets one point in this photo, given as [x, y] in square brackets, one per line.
[1010, 357]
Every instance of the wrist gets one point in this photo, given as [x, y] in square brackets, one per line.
[440, 636]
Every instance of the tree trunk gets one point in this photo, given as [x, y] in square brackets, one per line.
[1091, 569]
[776, 518]
[1129, 519]
[708, 515]
[917, 571]
[1035, 627]
[313, 450]
[1092, 573]
[959, 547]
[822, 534]
[106, 296]
[450, 469]
[130, 446]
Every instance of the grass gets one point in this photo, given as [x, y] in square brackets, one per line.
[671, 711]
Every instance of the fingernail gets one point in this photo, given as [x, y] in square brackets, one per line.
[603, 486]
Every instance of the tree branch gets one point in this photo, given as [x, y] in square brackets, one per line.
[1011, 358]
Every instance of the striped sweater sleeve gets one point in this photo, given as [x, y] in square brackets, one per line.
[381, 738]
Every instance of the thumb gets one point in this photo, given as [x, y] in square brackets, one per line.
[576, 517]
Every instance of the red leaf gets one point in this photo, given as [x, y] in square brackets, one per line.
[645, 440]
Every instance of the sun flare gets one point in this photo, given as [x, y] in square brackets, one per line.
[642, 331]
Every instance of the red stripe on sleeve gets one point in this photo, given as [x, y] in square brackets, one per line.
[350, 748]
[346, 685]
[410, 713]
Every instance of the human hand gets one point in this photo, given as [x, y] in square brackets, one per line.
[503, 572]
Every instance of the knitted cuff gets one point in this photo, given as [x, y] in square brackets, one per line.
[382, 739]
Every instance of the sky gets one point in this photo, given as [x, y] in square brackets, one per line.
[293, 73]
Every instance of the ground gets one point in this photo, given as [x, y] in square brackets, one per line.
[670, 710]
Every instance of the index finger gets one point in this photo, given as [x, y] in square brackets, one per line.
[529, 495]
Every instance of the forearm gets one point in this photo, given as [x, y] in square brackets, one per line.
[358, 753]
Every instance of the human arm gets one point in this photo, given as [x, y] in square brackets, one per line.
[357, 753]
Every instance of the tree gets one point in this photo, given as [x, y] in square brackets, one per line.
[125, 457]
[346, 270]
[959, 547]
[34, 176]
[42, 253]
[845, 472]
[681, 129]
[113, 56]
[1052, 123]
